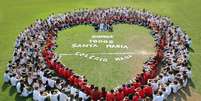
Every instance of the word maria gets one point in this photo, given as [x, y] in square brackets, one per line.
[118, 46]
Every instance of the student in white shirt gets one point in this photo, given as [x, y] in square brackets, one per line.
[165, 93]
[29, 80]
[165, 78]
[42, 87]
[13, 80]
[170, 76]
[58, 85]
[6, 77]
[25, 92]
[185, 81]
[44, 79]
[36, 93]
[175, 86]
[73, 90]
[154, 85]
[158, 97]
[42, 96]
[168, 89]
[54, 96]
[82, 95]
[18, 87]
[51, 82]
[189, 73]
[62, 96]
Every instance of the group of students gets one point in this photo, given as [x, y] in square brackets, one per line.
[36, 71]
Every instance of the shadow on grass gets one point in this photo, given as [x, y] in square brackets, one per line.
[12, 91]
[191, 84]
[180, 96]
[4, 86]
[20, 98]
[183, 93]
[191, 50]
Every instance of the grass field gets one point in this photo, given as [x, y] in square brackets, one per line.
[113, 72]
[15, 15]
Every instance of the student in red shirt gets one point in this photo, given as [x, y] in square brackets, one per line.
[95, 95]
[65, 72]
[60, 71]
[76, 81]
[68, 73]
[140, 91]
[119, 95]
[136, 97]
[136, 84]
[72, 79]
[103, 93]
[87, 88]
[146, 75]
[129, 89]
[110, 96]
[80, 82]
[124, 88]
[148, 90]
[140, 78]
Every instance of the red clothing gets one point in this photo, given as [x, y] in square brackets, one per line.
[146, 76]
[119, 96]
[136, 84]
[95, 95]
[72, 79]
[126, 91]
[68, 74]
[64, 73]
[130, 90]
[136, 98]
[76, 81]
[110, 97]
[141, 93]
[103, 94]
[60, 71]
[80, 82]
[148, 90]
[87, 89]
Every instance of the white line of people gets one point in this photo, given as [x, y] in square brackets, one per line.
[29, 73]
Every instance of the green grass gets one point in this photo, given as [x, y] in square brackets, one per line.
[15, 15]
[112, 73]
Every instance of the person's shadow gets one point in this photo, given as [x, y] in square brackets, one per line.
[4, 86]
[12, 92]
[20, 98]
[183, 93]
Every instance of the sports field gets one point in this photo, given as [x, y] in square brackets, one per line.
[15, 15]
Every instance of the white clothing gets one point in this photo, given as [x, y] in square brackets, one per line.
[25, 92]
[63, 97]
[51, 83]
[54, 97]
[13, 81]
[6, 77]
[36, 93]
[18, 86]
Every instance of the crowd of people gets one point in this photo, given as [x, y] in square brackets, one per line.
[36, 71]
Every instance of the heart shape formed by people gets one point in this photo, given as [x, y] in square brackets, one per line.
[43, 34]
